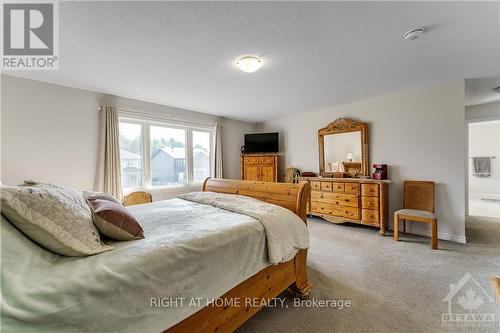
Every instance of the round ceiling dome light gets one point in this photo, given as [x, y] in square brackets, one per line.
[414, 34]
[249, 64]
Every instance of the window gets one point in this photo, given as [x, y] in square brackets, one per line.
[201, 155]
[168, 156]
[131, 154]
[157, 154]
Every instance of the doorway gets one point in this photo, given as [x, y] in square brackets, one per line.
[483, 186]
[483, 169]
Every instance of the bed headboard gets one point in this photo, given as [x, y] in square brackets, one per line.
[290, 196]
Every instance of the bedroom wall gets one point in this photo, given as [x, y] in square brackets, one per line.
[420, 134]
[49, 133]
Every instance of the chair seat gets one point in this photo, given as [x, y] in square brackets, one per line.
[416, 212]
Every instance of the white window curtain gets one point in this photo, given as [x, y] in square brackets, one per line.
[108, 161]
[217, 151]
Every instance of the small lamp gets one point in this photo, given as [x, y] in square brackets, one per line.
[349, 157]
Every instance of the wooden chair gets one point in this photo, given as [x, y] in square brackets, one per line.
[137, 198]
[291, 175]
[418, 206]
[495, 283]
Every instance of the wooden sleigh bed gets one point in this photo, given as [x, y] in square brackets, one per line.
[267, 283]
[190, 249]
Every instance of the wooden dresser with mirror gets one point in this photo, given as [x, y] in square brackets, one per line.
[344, 192]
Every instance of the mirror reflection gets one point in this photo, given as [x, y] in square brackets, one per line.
[342, 152]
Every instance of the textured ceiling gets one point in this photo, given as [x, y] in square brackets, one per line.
[315, 54]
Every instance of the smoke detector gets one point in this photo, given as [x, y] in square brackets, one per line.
[414, 34]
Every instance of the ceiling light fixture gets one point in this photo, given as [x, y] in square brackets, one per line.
[249, 64]
[414, 34]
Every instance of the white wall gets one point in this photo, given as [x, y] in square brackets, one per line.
[484, 140]
[49, 132]
[420, 134]
[483, 111]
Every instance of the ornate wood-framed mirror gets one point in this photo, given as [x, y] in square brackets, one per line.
[343, 149]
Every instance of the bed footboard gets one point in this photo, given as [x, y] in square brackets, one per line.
[290, 196]
[269, 282]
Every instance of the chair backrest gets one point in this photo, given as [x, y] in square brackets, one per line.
[137, 198]
[291, 175]
[495, 283]
[419, 195]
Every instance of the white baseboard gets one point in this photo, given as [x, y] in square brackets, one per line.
[441, 235]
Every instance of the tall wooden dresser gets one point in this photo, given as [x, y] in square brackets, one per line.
[260, 167]
[363, 201]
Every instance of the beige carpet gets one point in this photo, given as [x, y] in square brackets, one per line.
[482, 230]
[393, 286]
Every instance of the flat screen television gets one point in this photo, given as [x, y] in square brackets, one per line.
[261, 143]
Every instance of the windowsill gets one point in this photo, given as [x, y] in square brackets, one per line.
[153, 189]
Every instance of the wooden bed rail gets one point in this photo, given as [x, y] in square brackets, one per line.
[269, 282]
[288, 195]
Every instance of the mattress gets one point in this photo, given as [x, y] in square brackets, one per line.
[191, 254]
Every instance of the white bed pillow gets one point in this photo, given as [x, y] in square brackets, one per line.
[98, 195]
[53, 216]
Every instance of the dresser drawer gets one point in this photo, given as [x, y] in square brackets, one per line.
[335, 198]
[369, 215]
[251, 160]
[266, 160]
[316, 186]
[352, 188]
[326, 186]
[335, 210]
[369, 202]
[369, 190]
[338, 187]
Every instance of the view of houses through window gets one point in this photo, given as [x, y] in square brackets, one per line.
[131, 154]
[201, 156]
[171, 160]
[168, 155]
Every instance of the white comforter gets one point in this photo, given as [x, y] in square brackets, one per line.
[286, 233]
[190, 251]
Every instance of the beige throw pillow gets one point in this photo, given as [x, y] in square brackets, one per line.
[53, 216]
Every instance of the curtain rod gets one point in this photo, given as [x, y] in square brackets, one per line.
[161, 117]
